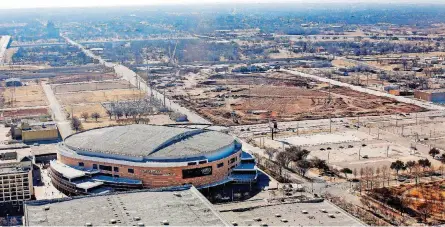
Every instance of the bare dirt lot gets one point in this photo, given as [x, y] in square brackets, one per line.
[291, 103]
[256, 98]
[82, 78]
[25, 112]
[104, 119]
[88, 97]
[90, 86]
[98, 96]
[25, 96]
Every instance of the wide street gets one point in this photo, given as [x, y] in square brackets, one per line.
[59, 116]
[423, 104]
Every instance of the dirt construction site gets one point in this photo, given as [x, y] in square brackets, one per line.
[256, 98]
[88, 97]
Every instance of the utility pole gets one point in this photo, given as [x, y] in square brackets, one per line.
[164, 97]
[298, 128]
[330, 123]
[358, 121]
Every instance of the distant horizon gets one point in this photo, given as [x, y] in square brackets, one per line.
[48, 4]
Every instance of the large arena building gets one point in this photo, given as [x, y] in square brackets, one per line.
[147, 156]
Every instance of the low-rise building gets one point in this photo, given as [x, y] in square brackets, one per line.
[35, 131]
[13, 82]
[436, 96]
[182, 205]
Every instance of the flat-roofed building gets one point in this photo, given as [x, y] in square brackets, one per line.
[179, 206]
[15, 176]
[435, 96]
[30, 132]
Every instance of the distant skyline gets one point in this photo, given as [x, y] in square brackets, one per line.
[19, 4]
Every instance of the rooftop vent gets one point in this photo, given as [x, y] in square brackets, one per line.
[234, 223]
[257, 219]
[88, 224]
[323, 210]
[304, 212]
[112, 221]
[137, 218]
[165, 222]
[277, 215]
[141, 224]
[177, 194]
[284, 220]
[46, 208]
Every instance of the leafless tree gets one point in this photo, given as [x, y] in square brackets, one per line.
[377, 177]
[85, 116]
[283, 160]
[76, 124]
[425, 209]
[271, 152]
[385, 172]
[95, 115]
[410, 165]
[417, 171]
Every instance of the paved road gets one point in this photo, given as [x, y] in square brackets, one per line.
[59, 116]
[369, 91]
[137, 81]
[4, 41]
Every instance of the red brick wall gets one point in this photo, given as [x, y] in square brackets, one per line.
[172, 176]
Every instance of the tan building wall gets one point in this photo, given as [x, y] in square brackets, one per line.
[422, 95]
[164, 176]
[50, 134]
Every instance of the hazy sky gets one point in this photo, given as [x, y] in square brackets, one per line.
[8, 4]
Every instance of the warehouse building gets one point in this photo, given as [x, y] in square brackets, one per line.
[180, 206]
[35, 131]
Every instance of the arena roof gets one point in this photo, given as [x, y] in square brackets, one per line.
[149, 141]
[186, 207]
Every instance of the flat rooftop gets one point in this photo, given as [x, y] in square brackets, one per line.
[185, 207]
[293, 213]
